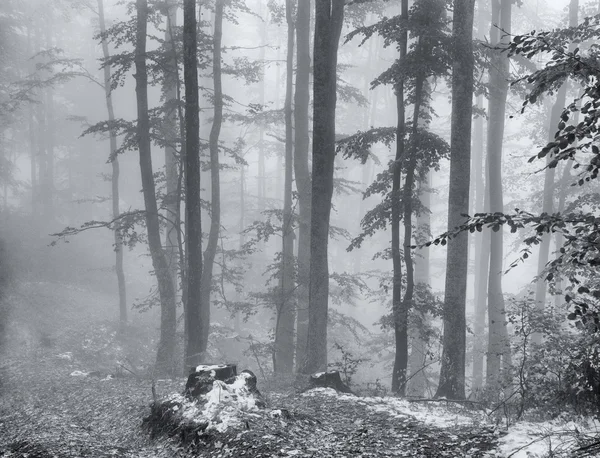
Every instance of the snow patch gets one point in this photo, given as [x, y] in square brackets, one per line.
[79, 374]
[434, 413]
[206, 367]
[537, 440]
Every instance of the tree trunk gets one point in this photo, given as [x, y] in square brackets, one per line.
[171, 79]
[284, 331]
[498, 354]
[115, 176]
[215, 201]
[452, 372]
[40, 116]
[400, 315]
[328, 26]
[481, 239]
[50, 140]
[194, 345]
[407, 196]
[549, 175]
[482, 252]
[418, 352]
[261, 178]
[166, 346]
[32, 139]
[302, 174]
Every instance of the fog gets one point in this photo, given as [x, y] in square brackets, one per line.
[56, 179]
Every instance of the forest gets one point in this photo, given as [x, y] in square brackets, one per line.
[178, 273]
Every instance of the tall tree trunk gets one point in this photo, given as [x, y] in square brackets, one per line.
[302, 174]
[284, 331]
[115, 175]
[481, 239]
[40, 115]
[369, 121]
[261, 178]
[498, 354]
[482, 251]
[400, 315]
[50, 140]
[418, 352]
[407, 196]
[215, 187]
[549, 176]
[452, 372]
[166, 346]
[32, 137]
[194, 345]
[171, 79]
[328, 26]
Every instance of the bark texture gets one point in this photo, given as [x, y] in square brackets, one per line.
[452, 372]
[302, 174]
[194, 345]
[329, 15]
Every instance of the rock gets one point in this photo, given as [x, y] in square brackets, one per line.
[330, 379]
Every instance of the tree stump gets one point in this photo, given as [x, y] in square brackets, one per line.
[201, 378]
[331, 379]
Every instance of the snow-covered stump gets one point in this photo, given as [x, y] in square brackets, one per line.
[330, 379]
[213, 401]
[201, 378]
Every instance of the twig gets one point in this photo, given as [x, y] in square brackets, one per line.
[256, 357]
[129, 370]
[457, 401]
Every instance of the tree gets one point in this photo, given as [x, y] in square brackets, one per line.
[172, 199]
[195, 316]
[329, 16]
[166, 347]
[417, 150]
[215, 186]
[428, 29]
[284, 329]
[549, 178]
[452, 372]
[115, 173]
[482, 240]
[498, 353]
[302, 174]
[417, 380]
[399, 312]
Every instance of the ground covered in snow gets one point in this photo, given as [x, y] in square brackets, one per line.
[55, 402]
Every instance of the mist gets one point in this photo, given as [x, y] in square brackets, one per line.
[226, 187]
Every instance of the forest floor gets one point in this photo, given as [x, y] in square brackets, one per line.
[56, 400]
